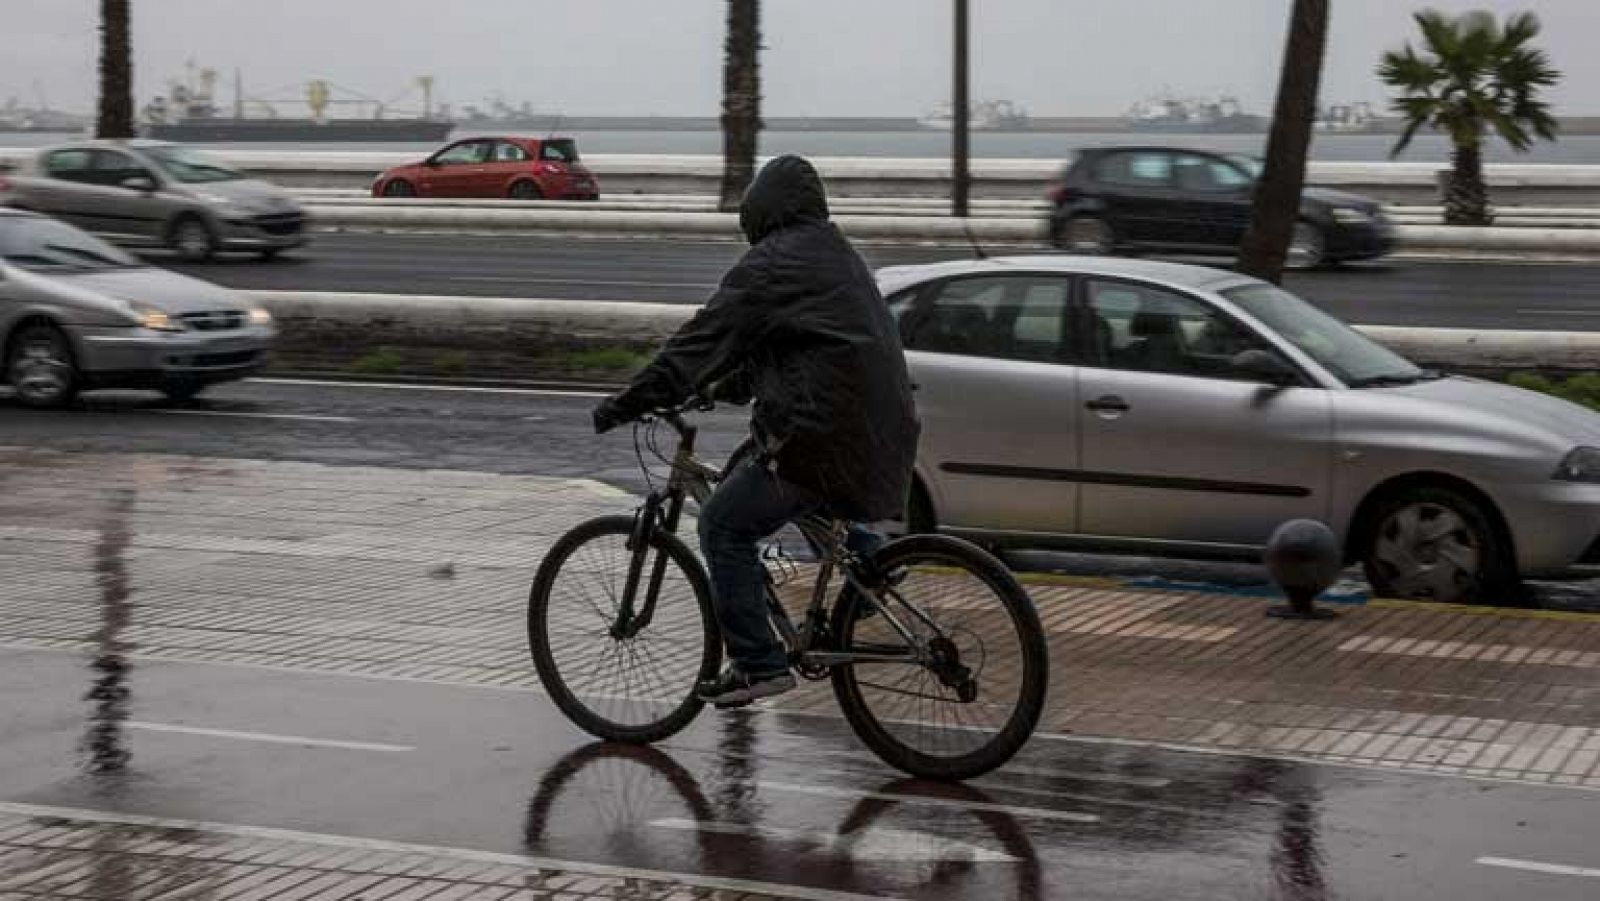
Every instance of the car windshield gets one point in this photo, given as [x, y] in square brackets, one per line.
[1250, 164]
[559, 150]
[1355, 359]
[191, 166]
[45, 244]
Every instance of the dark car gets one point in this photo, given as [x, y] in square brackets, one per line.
[1114, 199]
[515, 168]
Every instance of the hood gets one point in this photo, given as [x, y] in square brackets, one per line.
[252, 194]
[1330, 197]
[1536, 412]
[788, 190]
[166, 291]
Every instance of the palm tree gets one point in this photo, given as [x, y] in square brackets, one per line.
[1476, 77]
[116, 70]
[1276, 212]
[741, 100]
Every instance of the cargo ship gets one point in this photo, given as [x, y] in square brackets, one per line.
[1175, 116]
[189, 113]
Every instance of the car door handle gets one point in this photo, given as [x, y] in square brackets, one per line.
[1108, 404]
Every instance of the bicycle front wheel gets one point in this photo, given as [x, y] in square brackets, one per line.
[975, 703]
[636, 685]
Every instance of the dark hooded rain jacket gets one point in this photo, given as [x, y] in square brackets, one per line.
[800, 324]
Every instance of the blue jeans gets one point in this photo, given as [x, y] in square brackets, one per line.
[751, 504]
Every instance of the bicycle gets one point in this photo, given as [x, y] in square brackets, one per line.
[621, 629]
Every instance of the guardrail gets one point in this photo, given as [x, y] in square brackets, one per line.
[522, 337]
[620, 174]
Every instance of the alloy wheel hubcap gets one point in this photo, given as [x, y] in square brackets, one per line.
[1428, 551]
[1305, 250]
[193, 239]
[1088, 236]
[40, 374]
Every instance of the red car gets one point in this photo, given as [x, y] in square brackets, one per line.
[518, 168]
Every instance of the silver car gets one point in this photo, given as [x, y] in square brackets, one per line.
[77, 313]
[151, 193]
[1153, 408]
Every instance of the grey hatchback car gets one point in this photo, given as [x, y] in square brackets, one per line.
[77, 313]
[151, 193]
[1154, 408]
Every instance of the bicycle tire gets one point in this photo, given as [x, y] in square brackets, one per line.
[545, 654]
[923, 551]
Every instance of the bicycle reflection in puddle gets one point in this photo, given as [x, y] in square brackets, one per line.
[638, 806]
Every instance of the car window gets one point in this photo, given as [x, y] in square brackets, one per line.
[1148, 329]
[1005, 317]
[34, 242]
[70, 165]
[559, 150]
[466, 154]
[112, 168]
[192, 167]
[1351, 356]
[509, 153]
[1204, 174]
[1142, 169]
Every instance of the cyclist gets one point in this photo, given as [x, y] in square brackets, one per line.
[797, 326]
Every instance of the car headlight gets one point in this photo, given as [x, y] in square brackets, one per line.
[1582, 465]
[259, 316]
[1349, 215]
[154, 319]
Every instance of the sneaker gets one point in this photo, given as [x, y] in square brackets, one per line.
[735, 689]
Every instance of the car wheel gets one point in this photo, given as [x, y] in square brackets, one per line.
[399, 188]
[193, 240]
[1307, 249]
[525, 190]
[1434, 544]
[41, 368]
[1087, 235]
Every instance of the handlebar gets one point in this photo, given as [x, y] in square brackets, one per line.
[673, 416]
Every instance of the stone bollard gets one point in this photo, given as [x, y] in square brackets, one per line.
[1303, 559]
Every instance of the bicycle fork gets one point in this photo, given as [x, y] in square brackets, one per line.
[628, 624]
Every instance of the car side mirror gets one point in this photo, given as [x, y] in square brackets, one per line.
[1262, 366]
[144, 184]
[432, 163]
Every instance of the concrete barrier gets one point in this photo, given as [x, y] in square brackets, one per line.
[941, 230]
[620, 174]
[523, 338]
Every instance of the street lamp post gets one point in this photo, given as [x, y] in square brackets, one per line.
[961, 174]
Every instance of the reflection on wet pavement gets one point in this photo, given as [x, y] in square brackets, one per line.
[103, 745]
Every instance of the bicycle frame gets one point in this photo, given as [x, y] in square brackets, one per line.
[663, 509]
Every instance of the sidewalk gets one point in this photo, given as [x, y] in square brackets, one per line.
[423, 575]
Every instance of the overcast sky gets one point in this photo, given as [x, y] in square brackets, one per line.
[838, 57]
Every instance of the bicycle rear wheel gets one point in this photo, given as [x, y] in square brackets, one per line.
[635, 688]
[975, 706]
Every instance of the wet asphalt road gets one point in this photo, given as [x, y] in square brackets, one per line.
[771, 797]
[1556, 296]
[529, 432]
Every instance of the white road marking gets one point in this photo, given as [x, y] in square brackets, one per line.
[298, 417]
[1537, 311]
[826, 791]
[466, 389]
[1534, 866]
[1076, 776]
[467, 854]
[866, 845]
[270, 738]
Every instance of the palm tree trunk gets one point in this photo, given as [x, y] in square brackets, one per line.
[1277, 198]
[116, 70]
[741, 100]
[1466, 200]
